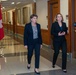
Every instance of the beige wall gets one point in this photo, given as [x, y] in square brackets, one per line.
[21, 8]
[42, 12]
[64, 9]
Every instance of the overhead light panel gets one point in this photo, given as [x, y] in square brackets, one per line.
[3, 7]
[3, 0]
[34, 0]
[13, 3]
[18, 2]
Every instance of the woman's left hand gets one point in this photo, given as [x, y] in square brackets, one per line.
[63, 33]
[41, 46]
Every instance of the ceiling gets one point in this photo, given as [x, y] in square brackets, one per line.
[9, 4]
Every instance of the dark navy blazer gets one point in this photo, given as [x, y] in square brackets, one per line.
[28, 34]
[55, 29]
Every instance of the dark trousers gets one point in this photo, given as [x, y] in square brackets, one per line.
[57, 46]
[34, 47]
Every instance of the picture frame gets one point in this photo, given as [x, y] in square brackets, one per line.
[18, 16]
[26, 14]
[3, 17]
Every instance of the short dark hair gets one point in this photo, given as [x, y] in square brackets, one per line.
[33, 15]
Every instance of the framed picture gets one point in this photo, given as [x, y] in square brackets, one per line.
[8, 17]
[3, 17]
[18, 16]
[26, 15]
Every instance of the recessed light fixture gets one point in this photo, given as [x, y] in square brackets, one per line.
[3, 0]
[18, 2]
[34, 0]
[2, 8]
[13, 3]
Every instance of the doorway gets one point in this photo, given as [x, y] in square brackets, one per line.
[14, 21]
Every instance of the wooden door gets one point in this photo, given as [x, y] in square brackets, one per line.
[54, 10]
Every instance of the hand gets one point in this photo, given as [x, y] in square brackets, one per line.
[26, 47]
[63, 33]
[60, 34]
[41, 46]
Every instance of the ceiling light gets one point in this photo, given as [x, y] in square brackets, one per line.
[3, 0]
[2, 8]
[18, 2]
[13, 3]
[34, 0]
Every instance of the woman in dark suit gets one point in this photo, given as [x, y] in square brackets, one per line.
[33, 41]
[59, 30]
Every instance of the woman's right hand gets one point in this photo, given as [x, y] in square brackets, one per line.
[26, 47]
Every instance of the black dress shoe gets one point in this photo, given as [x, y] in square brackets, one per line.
[28, 67]
[64, 70]
[53, 66]
[37, 72]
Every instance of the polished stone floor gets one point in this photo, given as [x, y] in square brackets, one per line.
[13, 60]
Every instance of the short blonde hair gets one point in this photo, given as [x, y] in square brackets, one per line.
[55, 19]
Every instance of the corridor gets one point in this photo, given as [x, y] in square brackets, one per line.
[14, 16]
[13, 59]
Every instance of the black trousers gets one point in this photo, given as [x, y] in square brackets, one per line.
[57, 45]
[34, 47]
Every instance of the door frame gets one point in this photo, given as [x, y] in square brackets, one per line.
[71, 27]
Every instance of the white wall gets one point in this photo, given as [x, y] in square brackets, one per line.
[42, 12]
[64, 9]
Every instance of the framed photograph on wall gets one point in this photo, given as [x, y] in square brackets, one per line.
[18, 16]
[8, 17]
[3, 17]
[26, 15]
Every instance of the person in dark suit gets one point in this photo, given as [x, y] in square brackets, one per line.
[33, 41]
[59, 30]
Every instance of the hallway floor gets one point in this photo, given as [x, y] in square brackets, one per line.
[13, 60]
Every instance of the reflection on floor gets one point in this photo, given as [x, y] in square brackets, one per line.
[13, 60]
[17, 65]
